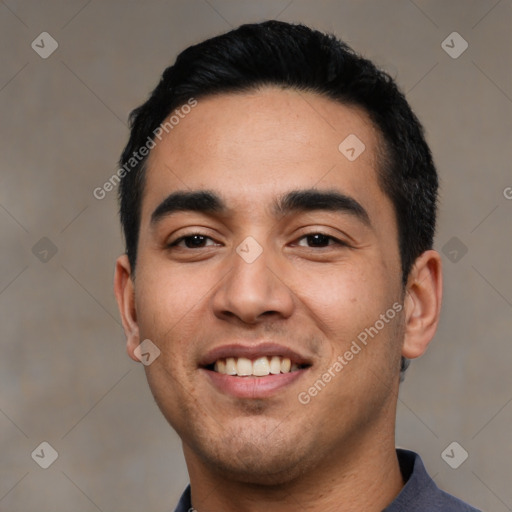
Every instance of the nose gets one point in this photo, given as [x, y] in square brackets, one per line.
[253, 291]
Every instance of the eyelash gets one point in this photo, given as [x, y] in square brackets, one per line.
[335, 240]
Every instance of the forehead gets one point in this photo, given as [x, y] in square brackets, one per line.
[253, 146]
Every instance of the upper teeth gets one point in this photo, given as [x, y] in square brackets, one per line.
[260, 367]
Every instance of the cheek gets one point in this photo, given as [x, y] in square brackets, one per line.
[168, 307]
[344, 299]
[168, 302]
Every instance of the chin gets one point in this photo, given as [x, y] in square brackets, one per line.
[250, 465]
[264, 456]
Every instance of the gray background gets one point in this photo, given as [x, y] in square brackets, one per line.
[64, 375]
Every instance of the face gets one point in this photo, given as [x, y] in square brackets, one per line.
[276, 254]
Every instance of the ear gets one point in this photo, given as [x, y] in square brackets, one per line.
[125, 295]
[424, 293]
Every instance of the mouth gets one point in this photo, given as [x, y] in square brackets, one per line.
[253, 371]
[260, 367]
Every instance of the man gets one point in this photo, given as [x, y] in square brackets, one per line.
[278, 202]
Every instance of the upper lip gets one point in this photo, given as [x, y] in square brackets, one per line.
[252, 352]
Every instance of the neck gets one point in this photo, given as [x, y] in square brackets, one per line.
[365, 476]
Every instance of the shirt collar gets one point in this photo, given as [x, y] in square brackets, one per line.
[413, 472]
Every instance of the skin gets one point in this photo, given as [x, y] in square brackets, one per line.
[245, 454]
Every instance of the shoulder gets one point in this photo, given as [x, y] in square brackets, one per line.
[420, 493]
[444, 501]
[185, 504]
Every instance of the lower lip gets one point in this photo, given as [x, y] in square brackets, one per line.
[252, 387]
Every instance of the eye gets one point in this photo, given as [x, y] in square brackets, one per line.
[319, 240]
[193, 241]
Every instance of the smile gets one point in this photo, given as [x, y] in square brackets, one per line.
[260, 367]
[253, 371]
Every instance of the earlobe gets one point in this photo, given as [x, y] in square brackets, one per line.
[422, 303]
[125, 296]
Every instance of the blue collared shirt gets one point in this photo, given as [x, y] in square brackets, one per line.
[419, 494]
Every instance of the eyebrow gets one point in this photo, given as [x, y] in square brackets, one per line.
[202, 201]
[208, 202]
[313, 199]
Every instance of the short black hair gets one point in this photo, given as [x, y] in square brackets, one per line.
[297, 57]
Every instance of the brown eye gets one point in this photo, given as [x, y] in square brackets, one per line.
[319, 240]
[195, 241]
